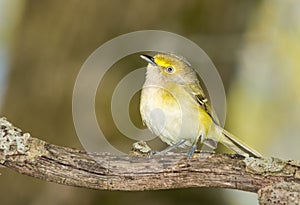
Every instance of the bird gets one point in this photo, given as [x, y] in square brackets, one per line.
[174, 107]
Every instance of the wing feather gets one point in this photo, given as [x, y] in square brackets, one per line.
[199, 96]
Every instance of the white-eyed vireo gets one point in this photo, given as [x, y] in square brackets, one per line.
[174, 107]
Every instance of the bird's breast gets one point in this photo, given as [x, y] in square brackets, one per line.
[171, 114]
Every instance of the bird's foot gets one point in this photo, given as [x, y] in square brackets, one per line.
[191, 151]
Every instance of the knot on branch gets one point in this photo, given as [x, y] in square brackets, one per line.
[12, 140]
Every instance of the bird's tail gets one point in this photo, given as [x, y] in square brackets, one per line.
[231, 142]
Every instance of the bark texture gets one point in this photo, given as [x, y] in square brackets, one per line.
[275, 179]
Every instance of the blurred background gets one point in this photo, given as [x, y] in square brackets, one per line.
[255, 45]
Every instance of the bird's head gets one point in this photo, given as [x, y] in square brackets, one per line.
[169, 68]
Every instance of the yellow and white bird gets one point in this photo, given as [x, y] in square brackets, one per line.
[173, 106]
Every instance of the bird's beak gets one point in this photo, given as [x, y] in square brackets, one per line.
[149, 59]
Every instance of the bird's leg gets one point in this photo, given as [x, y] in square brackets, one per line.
[191, 151]
[194, 147]
[170, 147]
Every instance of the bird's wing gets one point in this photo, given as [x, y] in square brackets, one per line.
[199, 96]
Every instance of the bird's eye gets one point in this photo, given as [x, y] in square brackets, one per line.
[170, 69]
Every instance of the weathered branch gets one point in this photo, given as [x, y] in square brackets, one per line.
[34, 157]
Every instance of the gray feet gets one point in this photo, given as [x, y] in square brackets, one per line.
[191, 151]
[169, 148]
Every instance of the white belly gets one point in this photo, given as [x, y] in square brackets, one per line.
[171, 120]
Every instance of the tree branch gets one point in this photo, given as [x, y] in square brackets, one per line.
[33, 157]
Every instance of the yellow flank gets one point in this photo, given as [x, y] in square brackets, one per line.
[204, 119]
[167, 98]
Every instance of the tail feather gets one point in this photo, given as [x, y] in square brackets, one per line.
[230, 141]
